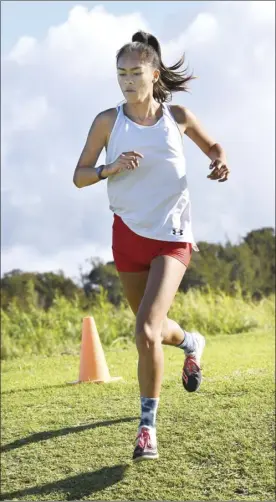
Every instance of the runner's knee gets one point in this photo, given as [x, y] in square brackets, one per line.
[147, 333]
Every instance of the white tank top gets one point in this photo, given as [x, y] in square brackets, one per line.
[152, 200]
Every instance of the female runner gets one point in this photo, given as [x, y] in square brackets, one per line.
[152, 233]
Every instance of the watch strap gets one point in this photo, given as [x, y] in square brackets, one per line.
[99, 173]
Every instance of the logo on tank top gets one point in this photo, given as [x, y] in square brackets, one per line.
[177, 231]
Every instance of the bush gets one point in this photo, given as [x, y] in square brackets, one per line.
[214, 313]
[58, 330]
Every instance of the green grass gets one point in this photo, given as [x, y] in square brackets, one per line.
[64, 442]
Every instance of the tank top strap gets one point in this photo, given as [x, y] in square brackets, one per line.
[167, 111]
[165, 108]
[119, 106]
[168, 114]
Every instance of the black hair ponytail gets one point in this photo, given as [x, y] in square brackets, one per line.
[170, 80]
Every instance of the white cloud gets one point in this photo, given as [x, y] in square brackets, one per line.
[24, 51]
[204, 29]
[52, 90]
[27, 115]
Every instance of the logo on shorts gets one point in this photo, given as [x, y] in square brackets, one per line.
[177, 231]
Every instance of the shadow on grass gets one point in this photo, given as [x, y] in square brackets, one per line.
[75, 487]
[43, 436]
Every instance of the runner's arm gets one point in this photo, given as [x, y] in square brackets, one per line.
[85, 172]
[195, 131]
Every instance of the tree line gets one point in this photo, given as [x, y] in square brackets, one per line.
[249, 265]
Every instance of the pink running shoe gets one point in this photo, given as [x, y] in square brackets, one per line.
[146, 445]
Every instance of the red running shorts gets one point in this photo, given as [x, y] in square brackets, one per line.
[133, 253]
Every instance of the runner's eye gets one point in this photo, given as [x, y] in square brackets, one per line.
[124, 74]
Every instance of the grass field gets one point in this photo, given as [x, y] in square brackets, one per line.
[64, 442]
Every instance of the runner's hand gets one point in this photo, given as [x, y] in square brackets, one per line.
[220, 171]
[126, 161]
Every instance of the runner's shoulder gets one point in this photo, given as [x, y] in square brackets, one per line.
[180, 114]
[106, 118]
[107, 115]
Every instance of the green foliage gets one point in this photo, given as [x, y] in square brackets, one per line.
[38, 331]
[216, 312]
[45, 286]
[58, 329]
[228, 289]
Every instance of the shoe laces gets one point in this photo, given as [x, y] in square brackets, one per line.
[190, 365]
[144, 438]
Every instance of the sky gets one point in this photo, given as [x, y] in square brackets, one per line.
[59, 72]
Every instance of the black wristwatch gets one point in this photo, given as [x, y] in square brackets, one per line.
[99, 173]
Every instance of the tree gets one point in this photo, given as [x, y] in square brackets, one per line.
[46, 285]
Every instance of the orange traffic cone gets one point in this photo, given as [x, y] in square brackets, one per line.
[93, 367]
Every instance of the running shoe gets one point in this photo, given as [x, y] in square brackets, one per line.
[191, 374]
[146, 445]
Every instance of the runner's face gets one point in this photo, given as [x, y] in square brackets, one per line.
[135, 78]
